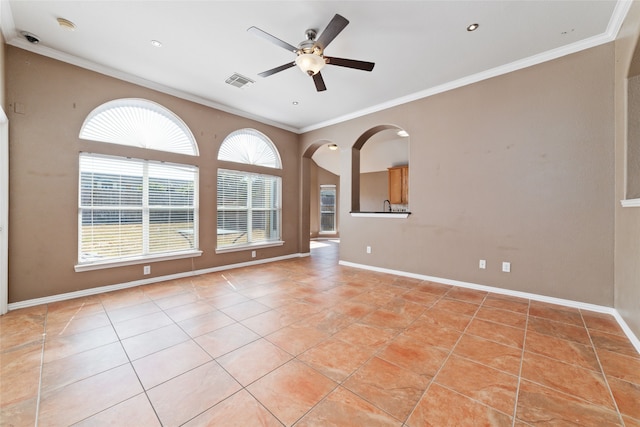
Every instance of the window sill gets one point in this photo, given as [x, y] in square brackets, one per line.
[396, 215]
[251, 246]
[630, 203]
[98, 265]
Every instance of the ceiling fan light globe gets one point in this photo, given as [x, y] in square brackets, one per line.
[309, 63]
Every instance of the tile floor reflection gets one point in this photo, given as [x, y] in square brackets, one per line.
[307, 342]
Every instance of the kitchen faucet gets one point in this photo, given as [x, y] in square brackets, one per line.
[384, 205]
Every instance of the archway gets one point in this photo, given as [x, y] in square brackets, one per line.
[386, 160]
[310, 188]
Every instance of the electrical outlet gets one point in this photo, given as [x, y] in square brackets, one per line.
[368, 249]
[506, 267]
[146, 269]
[253, 254]
[483, 264]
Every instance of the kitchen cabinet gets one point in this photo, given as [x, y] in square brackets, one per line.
[399, 185]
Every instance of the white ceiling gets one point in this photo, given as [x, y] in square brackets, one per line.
[419, 47]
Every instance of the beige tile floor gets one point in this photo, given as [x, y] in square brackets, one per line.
[306, 342]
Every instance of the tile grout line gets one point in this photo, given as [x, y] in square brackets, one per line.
[213, 359]
[444, 362]
[378, 351]
[338, 383]
[524, 344]
[604, 375]
[44, 338]
[341, 383]
[375, 354]
[294, 357]
[130, 364]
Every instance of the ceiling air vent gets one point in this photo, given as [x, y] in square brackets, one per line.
[238, 80]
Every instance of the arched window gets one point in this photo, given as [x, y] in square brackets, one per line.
[249, 203]
[250, 147]
[139, 123]
[134, 210]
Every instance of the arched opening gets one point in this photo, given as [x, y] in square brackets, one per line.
[324, 191]
[320, 176]
[380, 171]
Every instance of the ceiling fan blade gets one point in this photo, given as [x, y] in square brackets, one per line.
[337, 24]
[319, 81]
[277, 69]
[350, 63]
[273, 39]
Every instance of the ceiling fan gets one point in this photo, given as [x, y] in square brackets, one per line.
[310, 53]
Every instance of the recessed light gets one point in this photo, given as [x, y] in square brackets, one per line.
[156, 43]
[65, 24]
[403, 133]
[473, 27]
[333, 147]
[295, 102]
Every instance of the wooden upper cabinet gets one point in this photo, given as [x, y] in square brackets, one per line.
[399, 185]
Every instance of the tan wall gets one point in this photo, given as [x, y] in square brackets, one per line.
[627, 220]
[374, 190]
[3, 78]
[320, 176]
[517, 168]
[44, 148]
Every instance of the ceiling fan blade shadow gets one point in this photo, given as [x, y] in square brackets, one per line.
[273, 39]
[350, 63]
[335, 26]
[319, 81]
[277, 69]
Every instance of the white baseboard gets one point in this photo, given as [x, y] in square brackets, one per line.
[535, 297]
[115, 287]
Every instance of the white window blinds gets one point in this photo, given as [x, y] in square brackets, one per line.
[249, 208]
[135, 208]
[250, 147]
[139, 123]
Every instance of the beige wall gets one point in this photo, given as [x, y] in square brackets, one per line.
[517, 168]
[374, 190]
[44, 148]
[627, 220]
[320, 176]
[3, 61]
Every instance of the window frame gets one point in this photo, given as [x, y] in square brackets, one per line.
[249, 210]
[334, 229]
[146, 210]
[259, 153]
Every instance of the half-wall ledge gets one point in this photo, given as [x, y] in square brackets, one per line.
[395, 215]
[630, 203]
